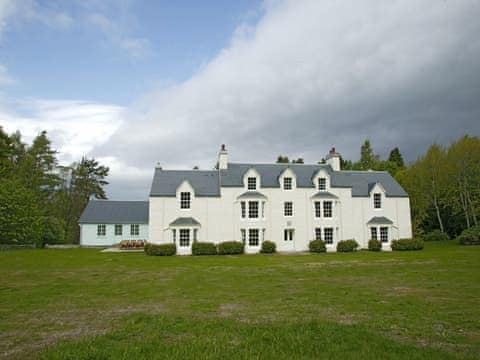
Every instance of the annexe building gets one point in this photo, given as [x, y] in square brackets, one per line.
[289, 204]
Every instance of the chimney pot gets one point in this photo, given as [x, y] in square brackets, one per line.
[223, 147]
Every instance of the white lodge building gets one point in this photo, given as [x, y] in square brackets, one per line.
[289, 204]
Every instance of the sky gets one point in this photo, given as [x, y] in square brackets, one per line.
[136, 83]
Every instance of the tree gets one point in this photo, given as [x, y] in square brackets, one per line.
[368, 159]
[282, 159]
[20, 216]
[396, 157]
[298, 161]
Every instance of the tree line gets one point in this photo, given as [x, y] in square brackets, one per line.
[443, 184]
[41, 201]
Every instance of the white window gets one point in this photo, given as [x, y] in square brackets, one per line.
[118, 229]
[327, 209]
[288, 234]
[318, 209]
[287, 183]
[328, 235]
[184, 237]
[244, 213]
[377, 201]
[318, 233]
[134, 229]
[252, 183]
[252, 237]
[384, 234]
[243, 233]
[322, 184]
[373, 233]
[253, 209]
[195, 235]
[174, 235]
[288, 208]
[101, 230]
[184, 200]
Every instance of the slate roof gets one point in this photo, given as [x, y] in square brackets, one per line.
[251, 194]
[184, 221]
[207, 183]
[166, 182]
[115, 212]
[324, 195]
[380, 220]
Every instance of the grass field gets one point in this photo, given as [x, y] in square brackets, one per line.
[83, 304]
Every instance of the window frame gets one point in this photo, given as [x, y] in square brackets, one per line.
[327, 210]
[328, 238]
[317, 207]
[243, 210]
[182, 238]
[251, 237]
[174, 235]
[116, 227]
[322, 183]
[288, 234]
[101, 232]
[252, 210]
[251, 183]
[384, 234]
[243, 235]
[377, 201]
[373, 233]
[134, 229]
[288, 180]
[185, 200]
[318, 233]
[288, 208]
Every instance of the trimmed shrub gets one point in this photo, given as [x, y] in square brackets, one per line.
[317, 246]
[435, 235]
[268, 247]
[230, 248]
[470, 236]
[347, 245]
[407, 244]
[204, 248]
[160, 249]
[374, 245]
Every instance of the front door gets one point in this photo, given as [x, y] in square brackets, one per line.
[184, 242]
[288, 240]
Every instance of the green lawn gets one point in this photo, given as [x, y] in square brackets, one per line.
[83, 304]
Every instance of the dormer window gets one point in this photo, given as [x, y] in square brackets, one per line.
[185, 200]
[322, 184]
[287, 183]
[377, 201]
[252, 183]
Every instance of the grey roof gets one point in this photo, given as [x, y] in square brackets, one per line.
[380, 220]
[324, 195]
[207, 183]
[115, 212]
[251, 194]
[204, 182]
[184, 221]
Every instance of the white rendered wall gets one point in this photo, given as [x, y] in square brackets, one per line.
[89, 237]
[220, 217]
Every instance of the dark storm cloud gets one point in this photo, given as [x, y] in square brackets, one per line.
[316, 74]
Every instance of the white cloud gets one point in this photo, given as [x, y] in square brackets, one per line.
[312, 74]
[75, 127]
[118, 35]
[6, 9]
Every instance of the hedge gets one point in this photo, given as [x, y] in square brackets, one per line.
[268, 247]
[470, 236]
[204, 248]
[230, 248]
[374, 245]
[160, 249]
[347, 245]
[407, 244]
[435, 235]
[317, 246]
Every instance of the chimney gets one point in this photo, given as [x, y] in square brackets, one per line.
[333, 159]
[223, 158]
